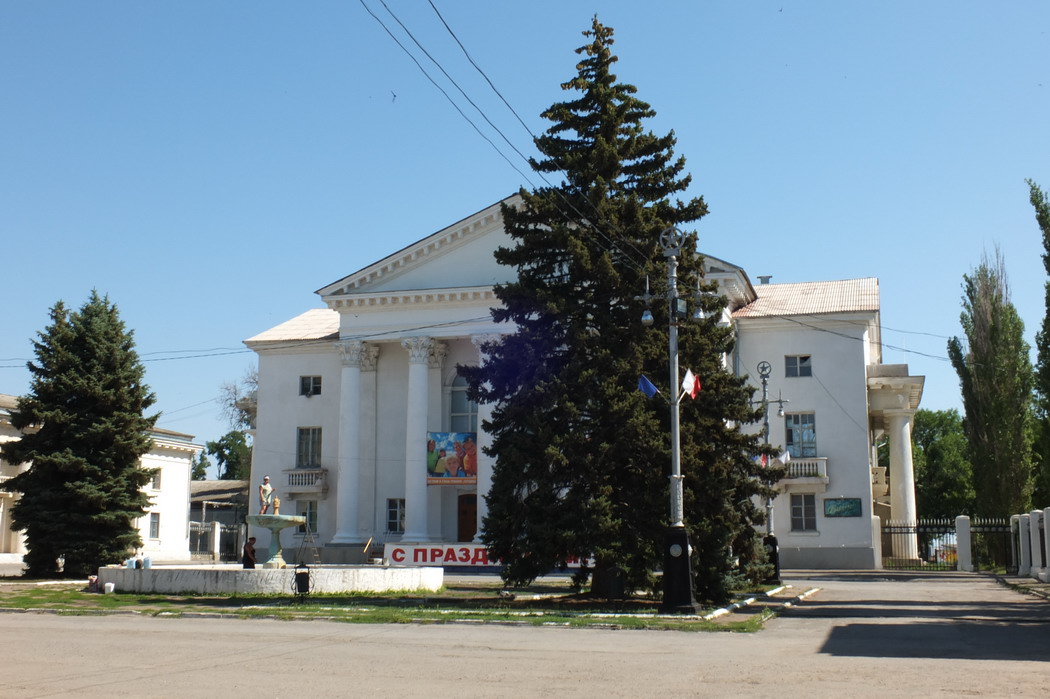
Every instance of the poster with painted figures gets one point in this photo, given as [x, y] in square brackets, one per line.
[452, 458]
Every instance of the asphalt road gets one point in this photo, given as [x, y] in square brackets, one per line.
[861, 635]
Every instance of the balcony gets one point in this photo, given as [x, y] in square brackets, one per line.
[809, 475]
[304, 484]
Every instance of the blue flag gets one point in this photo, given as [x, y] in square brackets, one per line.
[646, 386]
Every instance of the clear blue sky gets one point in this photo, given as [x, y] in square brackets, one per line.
[210, 165]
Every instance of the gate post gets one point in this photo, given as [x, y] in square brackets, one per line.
[1036, 526]
[1024, 544]
[963, 545]
[214, 541]
[1045, 577]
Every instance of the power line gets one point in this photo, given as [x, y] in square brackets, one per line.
[580, 218]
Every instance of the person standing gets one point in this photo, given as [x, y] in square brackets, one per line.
[248, 558]
[266, 493]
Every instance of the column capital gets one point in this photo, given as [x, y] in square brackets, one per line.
[369, 358]
[353, 353]
[419, 349]
[438, 352]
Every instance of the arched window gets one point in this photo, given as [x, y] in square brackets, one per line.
[463, 412]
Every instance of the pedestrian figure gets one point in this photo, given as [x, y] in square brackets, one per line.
[248, 559]
[266, 493]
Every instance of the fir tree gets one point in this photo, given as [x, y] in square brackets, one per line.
[582, 457]
[83, 433]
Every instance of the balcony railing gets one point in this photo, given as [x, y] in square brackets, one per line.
[805, 473]
[305, 481]
[816, 467]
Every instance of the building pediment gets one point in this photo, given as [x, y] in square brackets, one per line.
[454, 261]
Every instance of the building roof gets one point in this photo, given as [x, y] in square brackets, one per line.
[808, 298]
[8, 402]
[315, 324]
[234, 492]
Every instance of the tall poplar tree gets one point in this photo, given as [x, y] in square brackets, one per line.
[1041, 495]
[996, 378]
[583, 457]
[83, 433]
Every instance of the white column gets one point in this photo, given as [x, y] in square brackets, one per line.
[1025, 566]
[963, 544]
[485, 462]
[1046, 545]
[348, 481]
[902, 481]
[1035, 525]
[419, 349]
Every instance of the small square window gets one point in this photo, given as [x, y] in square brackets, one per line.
[803, 512]
[309, 386]
[395, 515]
[800, 365]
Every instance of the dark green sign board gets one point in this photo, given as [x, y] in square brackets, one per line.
[842, 507]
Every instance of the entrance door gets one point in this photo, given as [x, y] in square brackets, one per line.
[468, 517]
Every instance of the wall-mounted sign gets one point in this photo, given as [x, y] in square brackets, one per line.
[452, 458]
[842, 507]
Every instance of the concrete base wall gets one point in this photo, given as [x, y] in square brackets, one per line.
[205, 581]
[840, 558]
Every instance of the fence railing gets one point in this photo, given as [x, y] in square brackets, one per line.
[807, 468]
[928, 544]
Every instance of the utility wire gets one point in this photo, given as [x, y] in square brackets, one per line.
[635, 263]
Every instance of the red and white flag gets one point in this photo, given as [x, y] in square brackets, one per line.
[691, 384]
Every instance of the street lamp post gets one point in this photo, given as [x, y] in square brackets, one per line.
[679, 596]
[770, 541]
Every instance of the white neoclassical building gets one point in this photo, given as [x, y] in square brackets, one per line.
[364, 426]
[164, 528]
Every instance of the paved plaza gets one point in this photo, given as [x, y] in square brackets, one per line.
[869, 634]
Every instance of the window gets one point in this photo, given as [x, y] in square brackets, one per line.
[803, 512]
[154, 525]
[801, 435]
[309, 386]
[308, 509]
[308, 449]
[156, 480]
[801, 365]
[395, 515]
[463, 412]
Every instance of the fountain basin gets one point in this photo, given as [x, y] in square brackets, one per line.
[276, 524]
[229, 580]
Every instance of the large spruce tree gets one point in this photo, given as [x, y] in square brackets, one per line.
[83, 433]
[996, 378]
[583, 457]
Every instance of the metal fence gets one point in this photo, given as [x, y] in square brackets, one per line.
[229, 541]
[994, 545]
[928, 544]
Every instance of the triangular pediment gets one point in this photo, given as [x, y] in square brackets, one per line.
[459, 256]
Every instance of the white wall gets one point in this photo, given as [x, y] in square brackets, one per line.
[837, 395]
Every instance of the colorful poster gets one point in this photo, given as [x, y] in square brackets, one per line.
[452, 458]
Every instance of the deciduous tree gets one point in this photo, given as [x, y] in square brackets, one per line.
[943, 473]
[1041, 495]
[996, 378]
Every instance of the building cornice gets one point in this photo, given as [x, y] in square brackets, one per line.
[416, 298]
